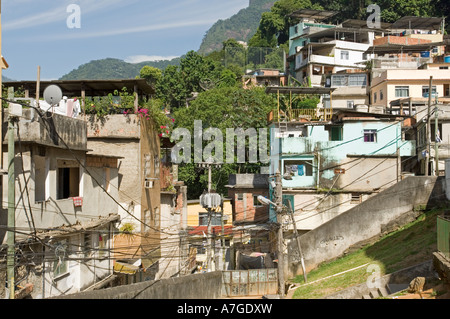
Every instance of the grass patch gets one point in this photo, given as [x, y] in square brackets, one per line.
[412, 244]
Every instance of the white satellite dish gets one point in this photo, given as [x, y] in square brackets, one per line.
[52, 94]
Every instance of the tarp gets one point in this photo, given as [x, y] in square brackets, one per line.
[125, 268]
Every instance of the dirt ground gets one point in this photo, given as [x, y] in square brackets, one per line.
[439, 291]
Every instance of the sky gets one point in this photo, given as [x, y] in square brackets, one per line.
[60, 35]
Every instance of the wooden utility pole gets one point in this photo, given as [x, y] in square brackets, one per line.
[427, 162]
[436, 132]
[280, 240]
[298, 243]
[11, 208]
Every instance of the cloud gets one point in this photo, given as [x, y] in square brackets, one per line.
[56, 13]
[145, 58]
[80, 34]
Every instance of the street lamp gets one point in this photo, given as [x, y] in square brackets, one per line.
[265, 201]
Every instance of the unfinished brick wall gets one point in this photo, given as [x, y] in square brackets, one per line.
[244, 210]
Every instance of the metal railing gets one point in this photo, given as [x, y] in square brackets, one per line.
[317, 114]
[443, 235]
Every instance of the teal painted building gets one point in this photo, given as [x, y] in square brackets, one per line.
[355, 152]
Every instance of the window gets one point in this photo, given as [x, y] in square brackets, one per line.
[381, 95]
[438, 136]
[401, 91]
[426, 89]
[147, 166]
[357, 80]
[370, 136]
[216, 219]
[256, 202]
[356, 198]
[339, 80]
[240, 196]
[68, 175]
[375, 97]
[60, 265]
[41, 180]
[102, 244]
[344, 55]
[87, 245]
[350, 104]
[298, 167]
[336, 133]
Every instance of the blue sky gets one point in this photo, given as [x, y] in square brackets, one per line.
[36, 32]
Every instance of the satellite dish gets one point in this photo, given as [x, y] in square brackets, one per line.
[52, 94]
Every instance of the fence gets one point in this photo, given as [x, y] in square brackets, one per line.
[443, 235]
[255, 58]
[317, 114]
[254, 282]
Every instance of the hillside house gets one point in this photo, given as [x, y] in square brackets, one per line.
[320, 49]
[64, 206]
[437, 152]
[328, 166]
[351, 91]
[264, 77]
[397, 90]
[408, 43]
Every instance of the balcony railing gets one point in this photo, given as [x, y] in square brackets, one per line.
[301, 115]
[443, 235]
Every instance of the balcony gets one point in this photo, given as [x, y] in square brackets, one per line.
[314, 58]
[400, 62]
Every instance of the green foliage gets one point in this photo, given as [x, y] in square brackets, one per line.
[154, 110]
[119, 102]
[273, 29]
[151, 74]
[222, 108]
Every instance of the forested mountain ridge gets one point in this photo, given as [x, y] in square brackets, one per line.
[241, 26]
[110, 68]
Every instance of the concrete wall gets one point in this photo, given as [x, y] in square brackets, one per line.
[366, 221]
[198, 286]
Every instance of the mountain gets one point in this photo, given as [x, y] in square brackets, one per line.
[241, 26]
[110, 68]
[6, 79]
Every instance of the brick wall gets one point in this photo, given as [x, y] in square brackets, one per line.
[244, 209]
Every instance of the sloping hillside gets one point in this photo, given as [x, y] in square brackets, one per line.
[241, 26]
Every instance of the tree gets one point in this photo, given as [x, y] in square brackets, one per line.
[151, 74]
[222, 107]
[274, 26]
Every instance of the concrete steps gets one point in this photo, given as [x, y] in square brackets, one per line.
[384, 291]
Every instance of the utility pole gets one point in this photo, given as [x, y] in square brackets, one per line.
[11, 206]
[210, 201]
[436, 132]
[298, 243]
[427, 162]
[280, 240]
